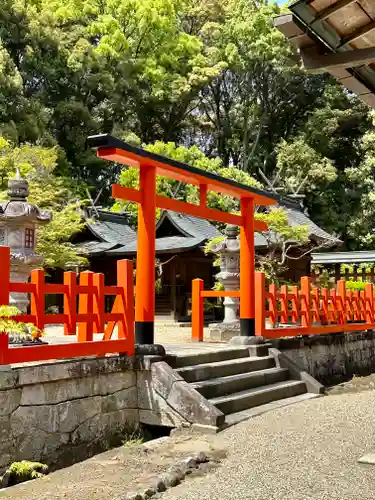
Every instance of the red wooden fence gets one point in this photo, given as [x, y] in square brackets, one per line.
[297, 310]
[91, 316]
[307, 310]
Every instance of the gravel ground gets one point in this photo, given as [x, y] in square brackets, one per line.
[306, 451]
[164, 334]
[356, 384]
[113, 474]
[301, 452]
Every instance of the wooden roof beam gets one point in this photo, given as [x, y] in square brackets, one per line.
[332, 9]
[359, 33]
[316, 63]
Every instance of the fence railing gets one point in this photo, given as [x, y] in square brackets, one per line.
[334, 275]
[297, 310]
[197, 313]
[89, 295]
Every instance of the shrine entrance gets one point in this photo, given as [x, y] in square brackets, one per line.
[150, 166]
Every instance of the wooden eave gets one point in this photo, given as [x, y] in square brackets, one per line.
[338, 37]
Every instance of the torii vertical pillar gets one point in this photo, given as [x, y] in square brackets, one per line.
[145, 277]
[247, 269]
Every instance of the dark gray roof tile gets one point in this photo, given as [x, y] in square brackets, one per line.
[169, 244]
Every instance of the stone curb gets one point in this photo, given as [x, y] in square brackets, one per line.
[172, 477]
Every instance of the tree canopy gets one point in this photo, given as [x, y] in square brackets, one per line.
[209, 82]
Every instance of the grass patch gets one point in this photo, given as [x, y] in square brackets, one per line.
[134, 438]
[18, 472]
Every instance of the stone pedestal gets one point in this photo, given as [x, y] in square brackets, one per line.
[223, 332]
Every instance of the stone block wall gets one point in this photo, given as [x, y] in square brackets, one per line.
[332, 358]
[65, 411]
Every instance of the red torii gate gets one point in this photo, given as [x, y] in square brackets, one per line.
[150, 165]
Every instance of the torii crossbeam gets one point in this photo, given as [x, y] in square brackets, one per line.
[150, 165]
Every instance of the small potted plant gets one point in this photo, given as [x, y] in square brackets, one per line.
[18, 332]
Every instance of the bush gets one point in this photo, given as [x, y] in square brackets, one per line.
[356, 285]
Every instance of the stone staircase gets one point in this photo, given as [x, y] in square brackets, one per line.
[242, 382]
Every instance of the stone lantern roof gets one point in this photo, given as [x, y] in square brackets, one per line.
[18, 207]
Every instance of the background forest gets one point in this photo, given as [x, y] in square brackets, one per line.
[209, 82]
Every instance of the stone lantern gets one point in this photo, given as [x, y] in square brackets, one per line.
[229, 277]
[18, 222]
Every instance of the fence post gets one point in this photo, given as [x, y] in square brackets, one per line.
[305, 302]
[341, 296]
[356, 303]
[325, 306]
[85, 306]
[284, 304]
[272, 304]
[70, 303]
[3, 348]
[349, 305]
[362, 305]
[295, 305]
[260, 304]
[369, 298]
[197, 310]
[4, 275]
[98, 303]
[315, 305]
[38, 298]
[125, 303]
[4, 298]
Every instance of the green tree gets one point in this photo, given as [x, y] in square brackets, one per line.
[323, 162]
[186, 192]
[51, 193]
[281, 238]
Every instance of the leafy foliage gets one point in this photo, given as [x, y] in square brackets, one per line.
[186, 192]
[207, 76]
[50, 192]
[281, 237]
[9, 325]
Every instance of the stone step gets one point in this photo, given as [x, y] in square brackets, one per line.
[225, 368]
[250, 398]
[235, 418]
[211, 357]
[223, 386]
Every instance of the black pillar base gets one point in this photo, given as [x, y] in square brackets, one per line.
[247, 327]
[144, 332]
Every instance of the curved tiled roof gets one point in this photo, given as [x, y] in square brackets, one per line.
[169, 244]
[297, 217]
[190, 225]
[111, 227]
[96, 247]
[118, 238]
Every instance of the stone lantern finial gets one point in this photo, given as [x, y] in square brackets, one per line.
[18, 187]
[231, 232]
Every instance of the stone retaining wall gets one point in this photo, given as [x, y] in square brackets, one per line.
[332, 358]
[62, 412]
